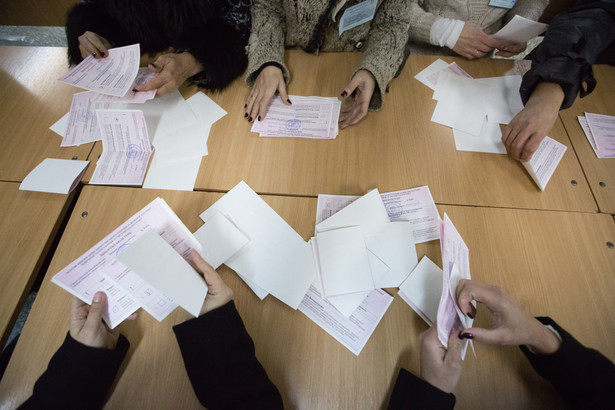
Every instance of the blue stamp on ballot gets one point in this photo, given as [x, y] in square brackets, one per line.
[293, 125]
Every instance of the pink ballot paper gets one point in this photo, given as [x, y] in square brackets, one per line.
[455, 266]
[99, 270]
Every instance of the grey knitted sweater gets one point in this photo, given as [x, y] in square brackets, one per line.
[278, 24]
[477, 13]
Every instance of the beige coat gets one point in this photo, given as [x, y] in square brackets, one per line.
[278, 24]
[477, 13]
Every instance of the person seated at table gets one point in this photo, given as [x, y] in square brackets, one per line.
[583, 377]
[217, 350]
[465, 27]
[314, 27]
[208, 37]
[561, 65]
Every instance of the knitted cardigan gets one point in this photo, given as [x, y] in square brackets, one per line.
[477, 13]
[313, 25]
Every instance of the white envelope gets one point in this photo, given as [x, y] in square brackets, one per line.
[58, 176]
[220, 240]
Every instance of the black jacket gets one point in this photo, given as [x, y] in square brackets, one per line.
[215, 32]
[576, 39]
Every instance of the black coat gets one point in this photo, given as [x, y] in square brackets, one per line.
[215, 32]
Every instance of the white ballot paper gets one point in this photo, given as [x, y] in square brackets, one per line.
[98, 268]
[433, 78]
[489, 140]
[153, 259]
[58, 176]
[544, 161]
[367, 210]
[504, 99]
[277, 259]
[143, 76]
[220, 240]
[112, 75]
[600, 153]
[424, 76]
[126, 148]
[82, 124]
[60, 126]
[423, 289]
[519, 30]
[603, 130]
[358, 14]
[353, 332]
[307, 117]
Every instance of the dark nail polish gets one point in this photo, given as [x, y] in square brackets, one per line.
[470, 315]
[102, 53]
[288, 99]
[259, 117]
[245, 106]
[94, 54]
[465, 335]
[344, 94]
[250, 119]
[134, 90]
[245, 115]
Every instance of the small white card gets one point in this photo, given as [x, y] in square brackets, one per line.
[220, 239]
[422, 290]
[58, 176]
[152, 258]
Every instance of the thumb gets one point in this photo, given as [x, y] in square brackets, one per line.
[455, 346]
[352, 85]
[482, 335]
[98, 307]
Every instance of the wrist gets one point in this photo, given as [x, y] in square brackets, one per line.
[543, 340]
[190, 64]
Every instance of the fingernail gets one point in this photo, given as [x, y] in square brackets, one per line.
[98, 297]
[245, 106]
[470, 315]
[94, 54]
[259, 117]
[344, 94]
[465, 335]
[102, 53]
[154, 65]
[245, 115]
[134, 90]
[250, 119]
[288, 99]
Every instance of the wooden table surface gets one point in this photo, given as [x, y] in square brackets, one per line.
[600, 172]
[33, 100]
[553, 263]
[395, 148]
[29, 224]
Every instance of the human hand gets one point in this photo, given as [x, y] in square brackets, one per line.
[475, 43]
[218, 294]
[440, 367]
[86, 325]
[527, 129]
[173, 69]
[509, 50]
[510, 324]
[91, 43]
[269, 80]
[357, 96]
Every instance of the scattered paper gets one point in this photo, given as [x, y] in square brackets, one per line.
[307, 117]
[544, 161]
[503, 99]
[600, 153]
[489, 140]
[519, 30]
[153, 259]
[60, 126]
[434, 77]
[424, 76]
[58, 176]
[358, 14]
[287, 278]
[179, 176]
[126, 148]
[82, 124]
[352, 332]
[417, 206]
[603, 130]
[220, 240]
[367, 210]
[143, 76]
[112, 75]
[98, 268]
[423, 289]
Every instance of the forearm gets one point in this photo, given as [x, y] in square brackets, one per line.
[421, 22]
[413, 392]
[266, 43]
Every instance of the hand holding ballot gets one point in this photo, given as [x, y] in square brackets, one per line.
[173, 70]
[269, 81]
[510, 324]
[475, 43]
[440, 366]
[357, 96]
[92, 44]
[218, 294]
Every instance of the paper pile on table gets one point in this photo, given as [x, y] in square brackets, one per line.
[306, 117]
[600, 132]
[57, 176]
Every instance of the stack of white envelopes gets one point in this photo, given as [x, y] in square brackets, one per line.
[306, 117]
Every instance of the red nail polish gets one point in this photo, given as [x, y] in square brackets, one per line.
[288, 99]
[259, 117]
[94, 54]
[102, 53]
[250, 119]
[245, 115]
[344, 94]
[134, 90]
[465, 335]
[470, 315]
[245, 106]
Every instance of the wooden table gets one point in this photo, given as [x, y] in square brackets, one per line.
[395, 148]
[554, 263]
[32, 100]
[600, 172]
[29, 224]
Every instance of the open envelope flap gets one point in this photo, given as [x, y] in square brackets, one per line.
[220, 239]
[365, 211]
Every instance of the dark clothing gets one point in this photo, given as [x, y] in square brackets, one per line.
[582, 376]
[218, 354]
[576, 39]
[78, 376]
[219, 357]
[215, 32]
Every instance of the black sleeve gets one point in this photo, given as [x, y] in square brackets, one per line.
[78, 376]
[89, 16]
[221, 364]
[411, 392]
[573, 42]
[582, 376]
[221, 50]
